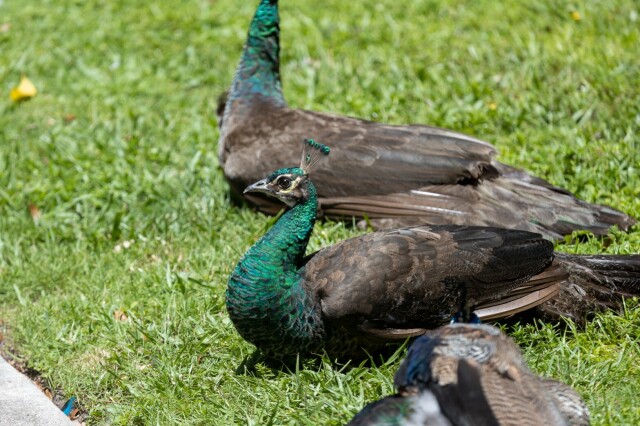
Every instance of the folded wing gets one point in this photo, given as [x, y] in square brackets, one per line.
[404, 175]
[390, 284]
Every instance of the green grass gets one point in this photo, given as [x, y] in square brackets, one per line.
[138, 164]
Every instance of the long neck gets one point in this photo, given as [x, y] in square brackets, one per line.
[258, 74]
[280, 250]
[265, 297]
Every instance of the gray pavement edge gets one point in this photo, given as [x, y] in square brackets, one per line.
[23, 403]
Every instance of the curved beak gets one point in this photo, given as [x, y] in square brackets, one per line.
[259, 186]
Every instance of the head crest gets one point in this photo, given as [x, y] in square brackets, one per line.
[312, 152]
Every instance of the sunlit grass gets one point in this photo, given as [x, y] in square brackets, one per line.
[117, 234]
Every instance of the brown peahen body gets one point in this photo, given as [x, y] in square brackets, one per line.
[393, 175]
[389, 285]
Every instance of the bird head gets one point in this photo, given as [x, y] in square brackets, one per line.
[288, 185]
[291, 185]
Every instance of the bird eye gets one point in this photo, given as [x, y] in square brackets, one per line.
[284, 182]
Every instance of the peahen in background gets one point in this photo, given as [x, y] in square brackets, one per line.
[472, 374]
[394, 175]
[393, 284]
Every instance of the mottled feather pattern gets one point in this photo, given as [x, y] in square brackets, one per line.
[409, 278]
[473, 374]
[568, 402]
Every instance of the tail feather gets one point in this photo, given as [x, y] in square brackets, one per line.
[534, 292]
[508, 201]
[595, 283]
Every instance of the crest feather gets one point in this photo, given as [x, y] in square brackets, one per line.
[312, 152]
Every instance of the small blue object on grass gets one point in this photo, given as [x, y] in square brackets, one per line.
[68, 406]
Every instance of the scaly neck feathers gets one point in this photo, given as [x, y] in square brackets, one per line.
[265, 297]
[258, 74]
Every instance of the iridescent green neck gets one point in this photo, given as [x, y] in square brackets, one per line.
[284, 245]
[258, 74]
[265, 297]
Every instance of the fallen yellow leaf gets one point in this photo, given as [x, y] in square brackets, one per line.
[24, 90]
[35, 213]
[118, 315]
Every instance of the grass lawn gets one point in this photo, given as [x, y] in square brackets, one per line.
[117, 234]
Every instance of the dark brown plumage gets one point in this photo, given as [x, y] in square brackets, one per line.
[597, 282]
[466, 374]
[397, 283]
[404, 175]
[389, 285]
[394, 175]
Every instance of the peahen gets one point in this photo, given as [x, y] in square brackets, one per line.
[472, 374]
[393, 175]
[389, 285]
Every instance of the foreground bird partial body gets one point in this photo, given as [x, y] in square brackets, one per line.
[394, 175]
[466, 374]
[390, 285]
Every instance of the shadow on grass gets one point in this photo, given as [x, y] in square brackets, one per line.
[251, 364]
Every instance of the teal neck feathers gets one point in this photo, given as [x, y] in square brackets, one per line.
[265, 297]
[284, 245]
[258, 74]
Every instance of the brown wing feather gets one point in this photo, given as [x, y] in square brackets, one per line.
[402, 175]
[504, 201]
[477, 372]
[413, 278]
[382, 158]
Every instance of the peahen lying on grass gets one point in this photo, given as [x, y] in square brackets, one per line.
[389, 285]
[472, 374]
[394, 175]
